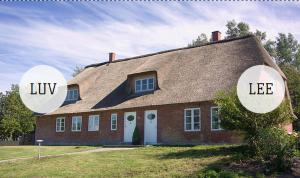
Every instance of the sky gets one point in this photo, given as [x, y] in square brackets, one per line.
[69, 34]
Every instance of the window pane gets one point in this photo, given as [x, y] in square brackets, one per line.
[138, 85]
[144, 84]
[90, 123]
[114, 122]
[188, 126]
[151, 84]
[75, 94]
[196, 112]
[150, 80]
[196, 126]
[97, 123]
[188, 119]
[196, 119]
[71, 94]
[215, 125]
[57, 122]
[188, 113]
[79, 123]
[215, 118]
[73, 124]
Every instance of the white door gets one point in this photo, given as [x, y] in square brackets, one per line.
[150, 132]
[129, 125]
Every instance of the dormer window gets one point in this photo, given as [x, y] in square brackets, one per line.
[72, 94]
[145, 84]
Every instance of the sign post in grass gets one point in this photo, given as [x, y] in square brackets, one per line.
[39, 147]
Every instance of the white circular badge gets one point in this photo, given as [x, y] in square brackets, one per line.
[260, 89]
[43, 89]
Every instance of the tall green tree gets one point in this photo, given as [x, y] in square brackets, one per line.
[293, 83]
[200, 40]
[16, 119]
[285, 50]
[235, 29]
[240, 29]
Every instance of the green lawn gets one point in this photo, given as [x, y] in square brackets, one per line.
[140, 162]
[10, 152]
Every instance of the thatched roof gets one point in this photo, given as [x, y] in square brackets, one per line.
[185, 75]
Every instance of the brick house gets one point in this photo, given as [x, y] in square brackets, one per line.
[168, 95]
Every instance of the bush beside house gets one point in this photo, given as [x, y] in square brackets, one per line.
[267, 141]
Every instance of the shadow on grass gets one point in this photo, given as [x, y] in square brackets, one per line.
[204, 153]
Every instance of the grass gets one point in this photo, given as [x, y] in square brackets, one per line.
[153, 161]
[11, 152]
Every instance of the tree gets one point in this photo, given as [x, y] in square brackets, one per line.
[77, 70]
[202, 39]
[235, 29]
[136, 138]
[294, 89]
[16, 118]
[285, 50]
[234, 116]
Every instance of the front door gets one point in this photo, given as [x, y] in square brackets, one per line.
[129, 125]
[150, 133]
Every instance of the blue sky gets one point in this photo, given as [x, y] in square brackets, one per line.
[64, 35]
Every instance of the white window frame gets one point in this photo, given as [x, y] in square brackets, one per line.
[141, 86]
[192, 120]
[59, 119]
[211, 121]
[111, 121]
[73, 118]
[74, 96]
[92, 119]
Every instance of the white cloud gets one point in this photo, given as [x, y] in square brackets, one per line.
[128, 29]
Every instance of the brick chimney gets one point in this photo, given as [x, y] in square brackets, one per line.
[112, 56]
[216, 36]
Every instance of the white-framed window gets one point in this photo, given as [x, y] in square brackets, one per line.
[93, 123]
[192, 119]
[215, 118]
[146, 84]
[76, 123]
[72, 94]
[114, 121]
[60, 124]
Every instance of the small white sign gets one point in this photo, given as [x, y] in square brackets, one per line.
[43, 89]
[261, 89]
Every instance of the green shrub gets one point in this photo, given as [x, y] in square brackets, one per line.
[211, 174]
[136, 138]
[275, 148]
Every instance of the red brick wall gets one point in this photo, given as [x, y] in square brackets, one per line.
[170, 127]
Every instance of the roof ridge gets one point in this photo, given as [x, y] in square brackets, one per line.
[171, 50]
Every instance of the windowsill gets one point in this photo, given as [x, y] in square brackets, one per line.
[113, 130]
[192, 130]
[93, 130]
[76, 130]
[216, 129]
